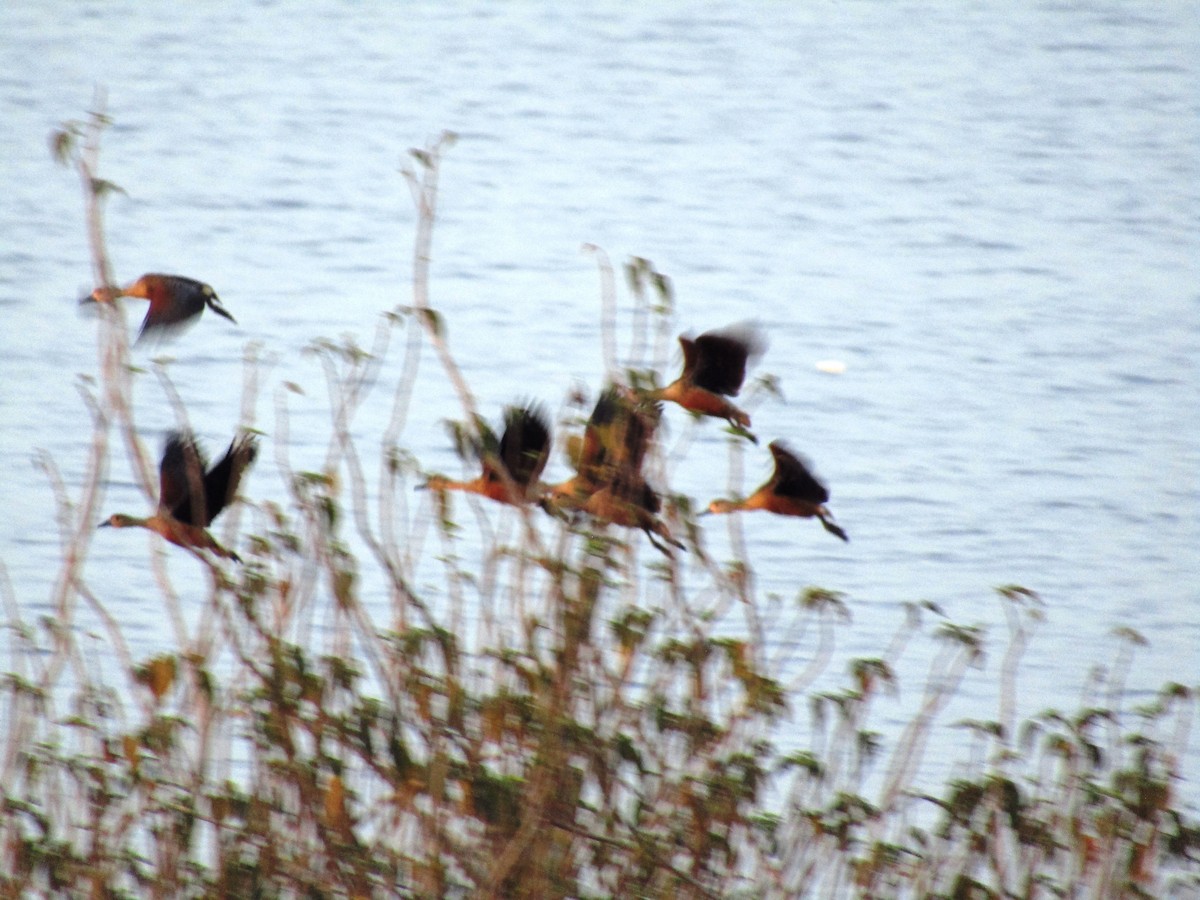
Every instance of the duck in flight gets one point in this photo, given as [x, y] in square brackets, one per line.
[511, 466]
[608, 483]
[792, 490]
[174, 301]
[714, 368]
[191, 495]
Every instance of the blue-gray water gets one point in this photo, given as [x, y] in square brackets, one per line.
[991, 216]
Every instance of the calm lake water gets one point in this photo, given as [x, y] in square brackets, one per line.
[990, 216]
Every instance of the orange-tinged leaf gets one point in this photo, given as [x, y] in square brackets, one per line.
[130, 746]
[162, 675]
[335, 804]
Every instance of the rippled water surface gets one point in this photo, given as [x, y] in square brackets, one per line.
[991, 217]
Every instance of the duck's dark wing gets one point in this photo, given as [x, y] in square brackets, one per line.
[181, 477]
[174, 300]
[221, 482]
[721, 357]
[792, 477]
[525, 444]
[618, 434]
[637, 433]
[590, 455]
[691, 356]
